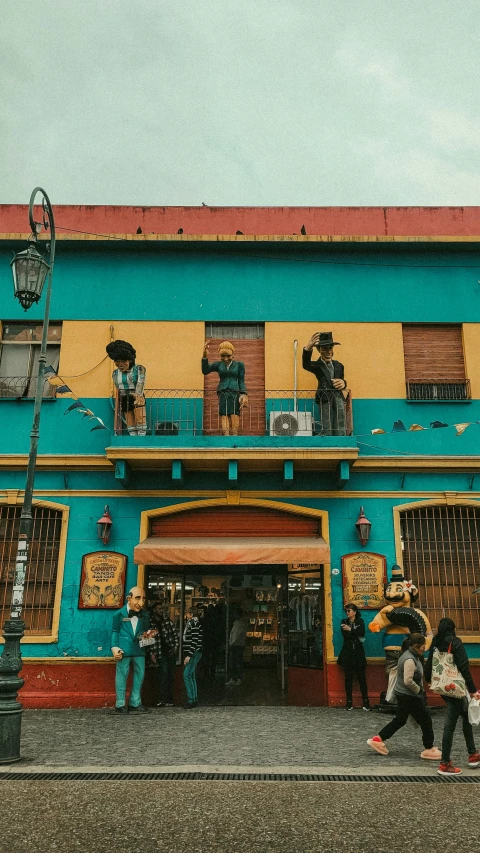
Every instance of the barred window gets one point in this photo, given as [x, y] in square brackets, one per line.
[42, 566]
[441, 553]
[19, 353]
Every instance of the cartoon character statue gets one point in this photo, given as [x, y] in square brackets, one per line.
[231, 390]
[129, 380]
[399, 618]
[331, 383]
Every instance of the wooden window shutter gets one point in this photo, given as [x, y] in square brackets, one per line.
[234, 522]
[433, 352]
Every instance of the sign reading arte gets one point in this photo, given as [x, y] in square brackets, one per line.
[364, 575]
[102, 585]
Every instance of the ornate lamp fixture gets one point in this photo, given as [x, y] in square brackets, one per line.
[363, 526]
[104, 526]
[29, 270]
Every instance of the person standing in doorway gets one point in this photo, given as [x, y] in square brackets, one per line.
[166, 650]
[237, 641]
[352, 656]
[445, 640]
[192, 653]
[410, 696]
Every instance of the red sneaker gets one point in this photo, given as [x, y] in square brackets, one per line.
[447, 769]
[474, 759]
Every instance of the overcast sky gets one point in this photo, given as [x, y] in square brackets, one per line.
[241, 102]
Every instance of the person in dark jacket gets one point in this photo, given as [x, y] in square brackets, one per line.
[352, 656]
[331, 383]
[445, 640]
[192, 653]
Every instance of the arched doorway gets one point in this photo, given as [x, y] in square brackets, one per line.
[256, 572]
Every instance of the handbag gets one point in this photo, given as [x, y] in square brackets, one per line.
[474, 712]
[446, 679]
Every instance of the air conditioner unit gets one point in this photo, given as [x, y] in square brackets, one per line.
[291, 423]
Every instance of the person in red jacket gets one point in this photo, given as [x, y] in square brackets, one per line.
[446, 640]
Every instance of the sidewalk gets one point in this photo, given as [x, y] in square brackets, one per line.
[238, 739]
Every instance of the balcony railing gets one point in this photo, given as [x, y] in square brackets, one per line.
[22, 388]
[441, 391]
[171, 412]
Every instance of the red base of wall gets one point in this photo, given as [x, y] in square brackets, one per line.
[92, 685]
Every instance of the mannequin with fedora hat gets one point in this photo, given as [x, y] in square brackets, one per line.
[331, 383]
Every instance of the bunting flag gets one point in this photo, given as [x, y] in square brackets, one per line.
[460, 428]
[399, 426]
[64, 390]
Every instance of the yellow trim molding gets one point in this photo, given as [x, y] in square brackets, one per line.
[53, 636]
[235, 497]
[250, 238]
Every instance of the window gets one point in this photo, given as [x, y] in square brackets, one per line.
[441, 554]
[42, 566]
[20, 349]
[434, 362]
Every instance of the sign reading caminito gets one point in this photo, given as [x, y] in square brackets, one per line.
[364, 575]
[102, 585]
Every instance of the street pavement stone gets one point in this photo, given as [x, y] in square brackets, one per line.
[238, 817]
[316, 739]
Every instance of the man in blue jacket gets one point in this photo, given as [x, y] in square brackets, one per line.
[130, 623]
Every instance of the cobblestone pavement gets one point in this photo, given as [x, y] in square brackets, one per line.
[238, 817]
[239, 737]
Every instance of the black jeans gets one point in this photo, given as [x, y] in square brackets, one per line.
[236, 661]
[166, 677]
[456, 708]
[414, 706]
[362, 682]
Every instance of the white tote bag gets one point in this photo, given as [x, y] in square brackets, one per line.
[446, 679]
[392, 680]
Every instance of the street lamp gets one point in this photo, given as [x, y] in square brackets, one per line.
[30, 270]
[363, 526]
[104, 526]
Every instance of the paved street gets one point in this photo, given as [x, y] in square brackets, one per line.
[316, 739]
[238, 817]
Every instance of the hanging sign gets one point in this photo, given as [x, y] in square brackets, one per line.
[102, 584]
[364, 575]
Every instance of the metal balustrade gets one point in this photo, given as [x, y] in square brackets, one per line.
[283, 413]
[442, 390]
[22, 388]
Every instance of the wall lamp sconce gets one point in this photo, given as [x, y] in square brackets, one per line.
[363, 526]
[104, 526]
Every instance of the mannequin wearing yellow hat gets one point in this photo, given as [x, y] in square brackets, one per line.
[231, 390]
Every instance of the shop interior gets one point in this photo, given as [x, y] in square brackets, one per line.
[282, 626]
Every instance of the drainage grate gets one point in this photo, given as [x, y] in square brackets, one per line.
[103, 776]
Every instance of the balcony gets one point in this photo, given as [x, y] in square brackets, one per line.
[439, 391]
[279, 429]
[23, 388]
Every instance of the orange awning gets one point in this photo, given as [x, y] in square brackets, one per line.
[180, 551]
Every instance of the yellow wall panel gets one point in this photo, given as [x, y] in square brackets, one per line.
[372, 354]
[471, 349]
[171, 353]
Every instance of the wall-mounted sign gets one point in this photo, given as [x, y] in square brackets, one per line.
[102, 584]
[364, 575]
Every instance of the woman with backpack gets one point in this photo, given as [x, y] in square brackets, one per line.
[446, 640]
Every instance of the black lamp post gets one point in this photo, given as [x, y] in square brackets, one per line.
[30, 270]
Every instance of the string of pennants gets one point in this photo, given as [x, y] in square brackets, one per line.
[399, 426]
[63, 390]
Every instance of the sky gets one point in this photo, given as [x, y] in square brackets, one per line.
[241, 102]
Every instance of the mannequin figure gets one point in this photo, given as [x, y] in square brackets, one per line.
[130, 625]
[231, 390]
[129, 380]
[331, 383]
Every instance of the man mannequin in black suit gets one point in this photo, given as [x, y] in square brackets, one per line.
[331, 383]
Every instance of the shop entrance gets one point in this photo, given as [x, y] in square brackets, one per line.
[262, 626]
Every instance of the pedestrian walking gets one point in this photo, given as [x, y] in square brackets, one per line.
[352, 656]
[445, 640]
[192, 653]
[410, 696]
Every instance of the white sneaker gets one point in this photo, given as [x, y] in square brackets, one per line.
[230, 683]
[237, 683]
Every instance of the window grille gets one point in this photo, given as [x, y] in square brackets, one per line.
[441, 554]
[42, 566]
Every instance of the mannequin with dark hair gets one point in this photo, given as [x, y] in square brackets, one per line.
[129, 380]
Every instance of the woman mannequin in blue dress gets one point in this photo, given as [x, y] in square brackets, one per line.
[231, 390]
